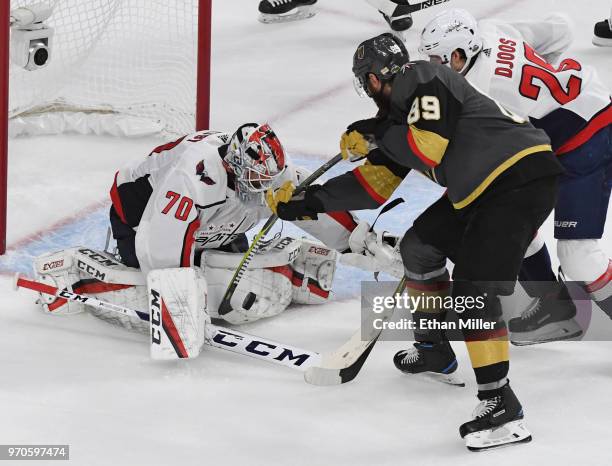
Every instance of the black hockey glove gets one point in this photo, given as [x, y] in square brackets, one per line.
[376, 127]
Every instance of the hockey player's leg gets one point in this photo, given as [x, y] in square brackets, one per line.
[498, 418]
[281, 11]
[580, 217]
[431, 354]
[585, 261]
[496, 238]
[397, 16]
[550, 314]
[125, 237]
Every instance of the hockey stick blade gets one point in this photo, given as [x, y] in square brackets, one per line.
[344, 364]
[226, 307]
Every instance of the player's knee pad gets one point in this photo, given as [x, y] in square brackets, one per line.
[421, 261]
[582, 260]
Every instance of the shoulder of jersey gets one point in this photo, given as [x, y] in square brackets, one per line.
[203, 165]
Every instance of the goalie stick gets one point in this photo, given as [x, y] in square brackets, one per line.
[218, 337]
[335, 368]
[225, 307]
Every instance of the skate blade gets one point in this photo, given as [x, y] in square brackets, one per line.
[450, 379]
[549, 333]
[303, 12]
[507, 435]
[601, 42]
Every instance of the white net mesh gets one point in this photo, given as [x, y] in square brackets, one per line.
[133, 58]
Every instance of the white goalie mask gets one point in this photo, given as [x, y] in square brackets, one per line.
[256, 157]
[448, 31]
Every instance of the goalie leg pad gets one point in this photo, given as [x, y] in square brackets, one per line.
[313, 275]
[58, 269]
[178, 312]
[133, 297]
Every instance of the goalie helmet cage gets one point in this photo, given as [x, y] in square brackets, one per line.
[120, 67]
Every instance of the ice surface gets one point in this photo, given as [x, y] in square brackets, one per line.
[79, 381]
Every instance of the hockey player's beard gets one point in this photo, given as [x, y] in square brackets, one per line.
[383, 103]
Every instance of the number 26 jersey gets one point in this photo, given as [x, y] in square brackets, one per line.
[567, 99]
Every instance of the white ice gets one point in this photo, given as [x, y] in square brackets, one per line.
[81, 382]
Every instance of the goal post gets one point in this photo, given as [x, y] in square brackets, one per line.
[203, 70]
[117, 67]
[5, 11]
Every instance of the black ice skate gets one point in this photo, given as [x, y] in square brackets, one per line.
[498, 421]
[603, 33]
[436, 361]
[282, 11]
[546, 319]
[401, 18]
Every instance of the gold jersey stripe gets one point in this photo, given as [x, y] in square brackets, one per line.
[379, 179]
[498, 171]
[488, 352]
[430, 144]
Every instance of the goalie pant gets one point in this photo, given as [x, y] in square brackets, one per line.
[291, 270]
[181, 201]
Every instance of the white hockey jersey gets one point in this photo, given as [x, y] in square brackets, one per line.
[181, 199]
[567, 100]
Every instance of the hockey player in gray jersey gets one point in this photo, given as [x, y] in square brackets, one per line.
[501, 180]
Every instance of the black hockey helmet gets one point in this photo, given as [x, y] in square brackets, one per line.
[383, 56]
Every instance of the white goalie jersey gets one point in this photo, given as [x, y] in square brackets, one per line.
[518, 67]
[193, 205]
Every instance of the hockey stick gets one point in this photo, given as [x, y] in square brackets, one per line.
[419, 6]
[338, 367]
[344, 364]
[225, 307]
[218, 337]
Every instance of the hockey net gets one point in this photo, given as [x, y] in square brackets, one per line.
[119, 67]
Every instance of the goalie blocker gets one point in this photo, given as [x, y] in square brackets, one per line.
[287, 270]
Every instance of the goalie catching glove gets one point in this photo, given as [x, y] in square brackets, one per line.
[374, 251]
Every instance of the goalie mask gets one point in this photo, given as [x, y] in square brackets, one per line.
[256, 157]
